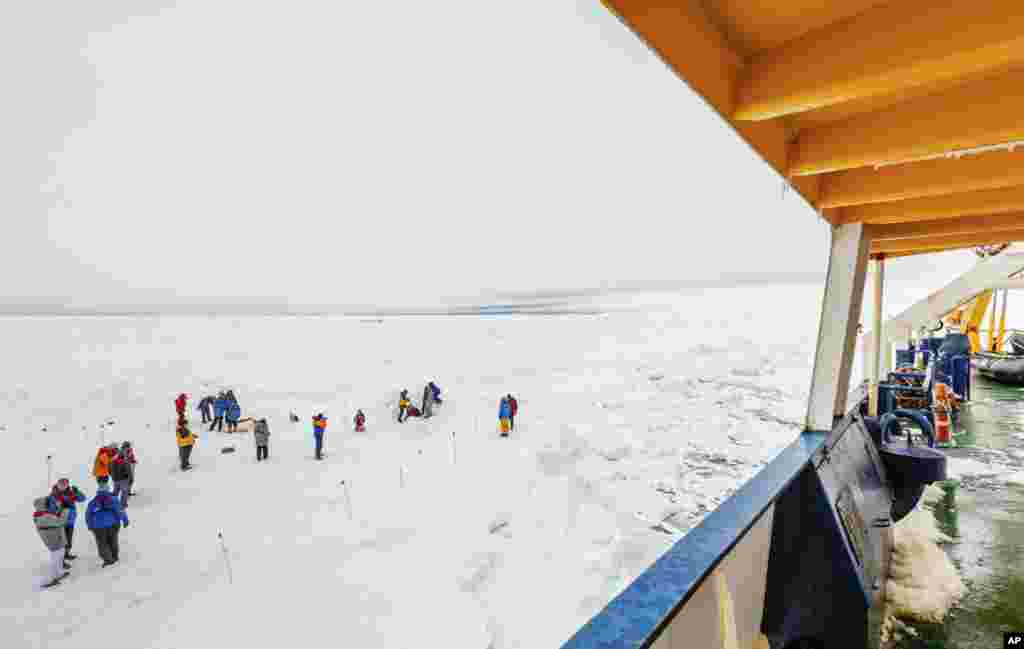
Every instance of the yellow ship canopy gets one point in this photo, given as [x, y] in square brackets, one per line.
[904, 116]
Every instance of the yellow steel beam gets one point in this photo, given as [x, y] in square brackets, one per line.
[946, 227]
[680, 33]
[893, 46]
[759, 26]
[874, 104]
[946, 242]
[919, 179]
[986, 112]
[931, 208]
[911, 253]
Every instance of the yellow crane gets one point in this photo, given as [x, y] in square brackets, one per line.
[975, 314]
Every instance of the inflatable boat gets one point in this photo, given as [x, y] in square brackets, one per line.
[1004, 368]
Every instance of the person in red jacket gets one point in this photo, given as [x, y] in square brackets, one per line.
[180, 403]
[360, 421]
[513, 408]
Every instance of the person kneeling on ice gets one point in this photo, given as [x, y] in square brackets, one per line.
[67, 498]
[185, 442]
[504, 412]
[360, 421]
[319, 426]
[121, 472]
[261, 433]
[51, 525]
[104, 517]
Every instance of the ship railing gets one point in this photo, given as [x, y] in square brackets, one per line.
[708, 589]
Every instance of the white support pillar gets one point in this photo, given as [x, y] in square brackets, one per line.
[990, 341]
[877, 348]
[1002, 318]
[837, 333]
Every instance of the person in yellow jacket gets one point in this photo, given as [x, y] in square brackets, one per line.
[403, 405]
[186, 440]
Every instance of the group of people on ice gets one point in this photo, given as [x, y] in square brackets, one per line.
[116, 463]
[56, 514]
[225, 405]
[218, 410]
[431, 398]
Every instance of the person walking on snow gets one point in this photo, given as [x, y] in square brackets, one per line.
[180, 404]
[104, 517]
[185, 442]
[51, 526]
[101, 466]
[261, 433]
[220, 406]
[503, 416]
[121, 473]
[67, 497]
[205, 408]
[403, 405]
[319, 426]
[360, 421]
[513, 408]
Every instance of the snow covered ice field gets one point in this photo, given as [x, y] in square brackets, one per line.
[632, 425]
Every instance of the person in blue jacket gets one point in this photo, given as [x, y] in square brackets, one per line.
[104, 517]
[233, 414]
[220, 405]
[319, 426]
[66, 496]
[504, 416]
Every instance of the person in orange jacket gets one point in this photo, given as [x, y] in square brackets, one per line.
[101, 466]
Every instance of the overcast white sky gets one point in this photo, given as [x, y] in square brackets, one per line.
[368, 153]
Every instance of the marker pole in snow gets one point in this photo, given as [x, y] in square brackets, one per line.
[401, 476]
[454, 456]
[49, 469]
[348, 499]
[227, 558]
